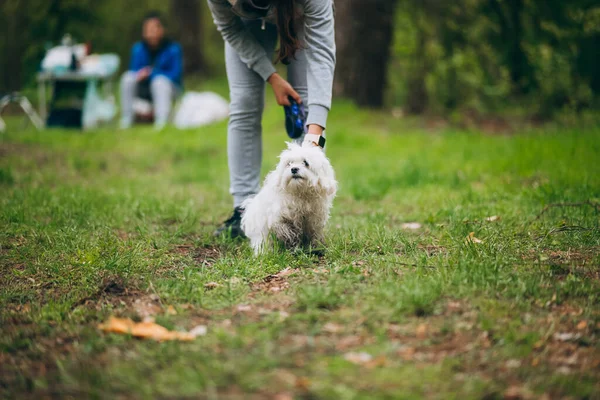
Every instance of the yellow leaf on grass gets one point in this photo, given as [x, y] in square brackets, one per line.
[472, 239]
[421, 331]
[411, 226]
[582, 325]
[358, 358]
[493, 218]
[171, 310]
[144, 330]
[331, 327]
[211, 285]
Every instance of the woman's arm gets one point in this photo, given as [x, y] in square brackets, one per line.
[136, 62]
[172, 67]
[320, 52]
[235, 33]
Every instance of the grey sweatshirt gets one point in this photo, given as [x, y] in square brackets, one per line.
[319, 43]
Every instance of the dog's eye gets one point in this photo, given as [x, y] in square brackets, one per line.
[305, 164]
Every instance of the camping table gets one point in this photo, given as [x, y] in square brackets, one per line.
[45, 78]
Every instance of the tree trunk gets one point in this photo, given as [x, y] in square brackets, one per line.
[509, 14]
[417, 98]
[12, 48]
[187, 27]
[363, 36]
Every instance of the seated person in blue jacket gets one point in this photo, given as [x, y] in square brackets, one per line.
[155, 73]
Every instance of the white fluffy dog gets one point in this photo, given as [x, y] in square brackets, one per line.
[293, 205]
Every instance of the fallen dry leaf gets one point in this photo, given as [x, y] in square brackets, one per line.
[283, 315]
[566, 336]
[302, 383]
[422, 331]
[407, 353]
[283, 273]
[283, 396]
[472, 239]
[380, 361]
[516, 393]
[233, 281]
[411, 226]
[244, 308]
[358, 358]
[146, 307]
[211, 285]
[171, 310]
[330, 327]
[284, 377]
[563, 370]
[493, 218]
[199, 330]
[347, 342]
[145, 330]
[485, 340]
[453, 306]
[226, 323]
[582, 325]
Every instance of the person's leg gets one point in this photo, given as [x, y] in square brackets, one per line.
[244, 133]
[128, 88]
[163, 92]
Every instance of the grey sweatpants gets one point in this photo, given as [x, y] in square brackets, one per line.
[247, 93]
[163, 92]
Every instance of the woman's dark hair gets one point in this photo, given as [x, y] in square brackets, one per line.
[285, 11]
[154, 15]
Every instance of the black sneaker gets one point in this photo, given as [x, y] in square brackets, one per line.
[232, 226]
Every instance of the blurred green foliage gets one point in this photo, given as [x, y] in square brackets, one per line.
[485, 55]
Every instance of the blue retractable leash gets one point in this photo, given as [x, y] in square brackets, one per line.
[295, 119]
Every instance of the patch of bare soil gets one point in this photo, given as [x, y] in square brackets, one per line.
[276, 282]
[433, 250]
[20, 367]
[29, 151]
[569, 348]
[115, 293]
[34, 349]
[582, 262]
[204, 256]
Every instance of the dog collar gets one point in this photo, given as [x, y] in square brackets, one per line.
[316, 140]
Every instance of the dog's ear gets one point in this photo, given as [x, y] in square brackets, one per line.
[327, 179]
[279, 172]
[292, 145]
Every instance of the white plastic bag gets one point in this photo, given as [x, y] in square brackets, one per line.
[100, 64]
[59, 58]
[95, 108]
[198, 109]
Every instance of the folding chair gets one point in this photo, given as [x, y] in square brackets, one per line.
[25, 105]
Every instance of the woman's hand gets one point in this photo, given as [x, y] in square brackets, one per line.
[282, 90]
[143, 73]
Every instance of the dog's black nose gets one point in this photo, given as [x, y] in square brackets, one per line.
[294, 170]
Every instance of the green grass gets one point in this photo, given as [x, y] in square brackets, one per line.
[104, 223]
